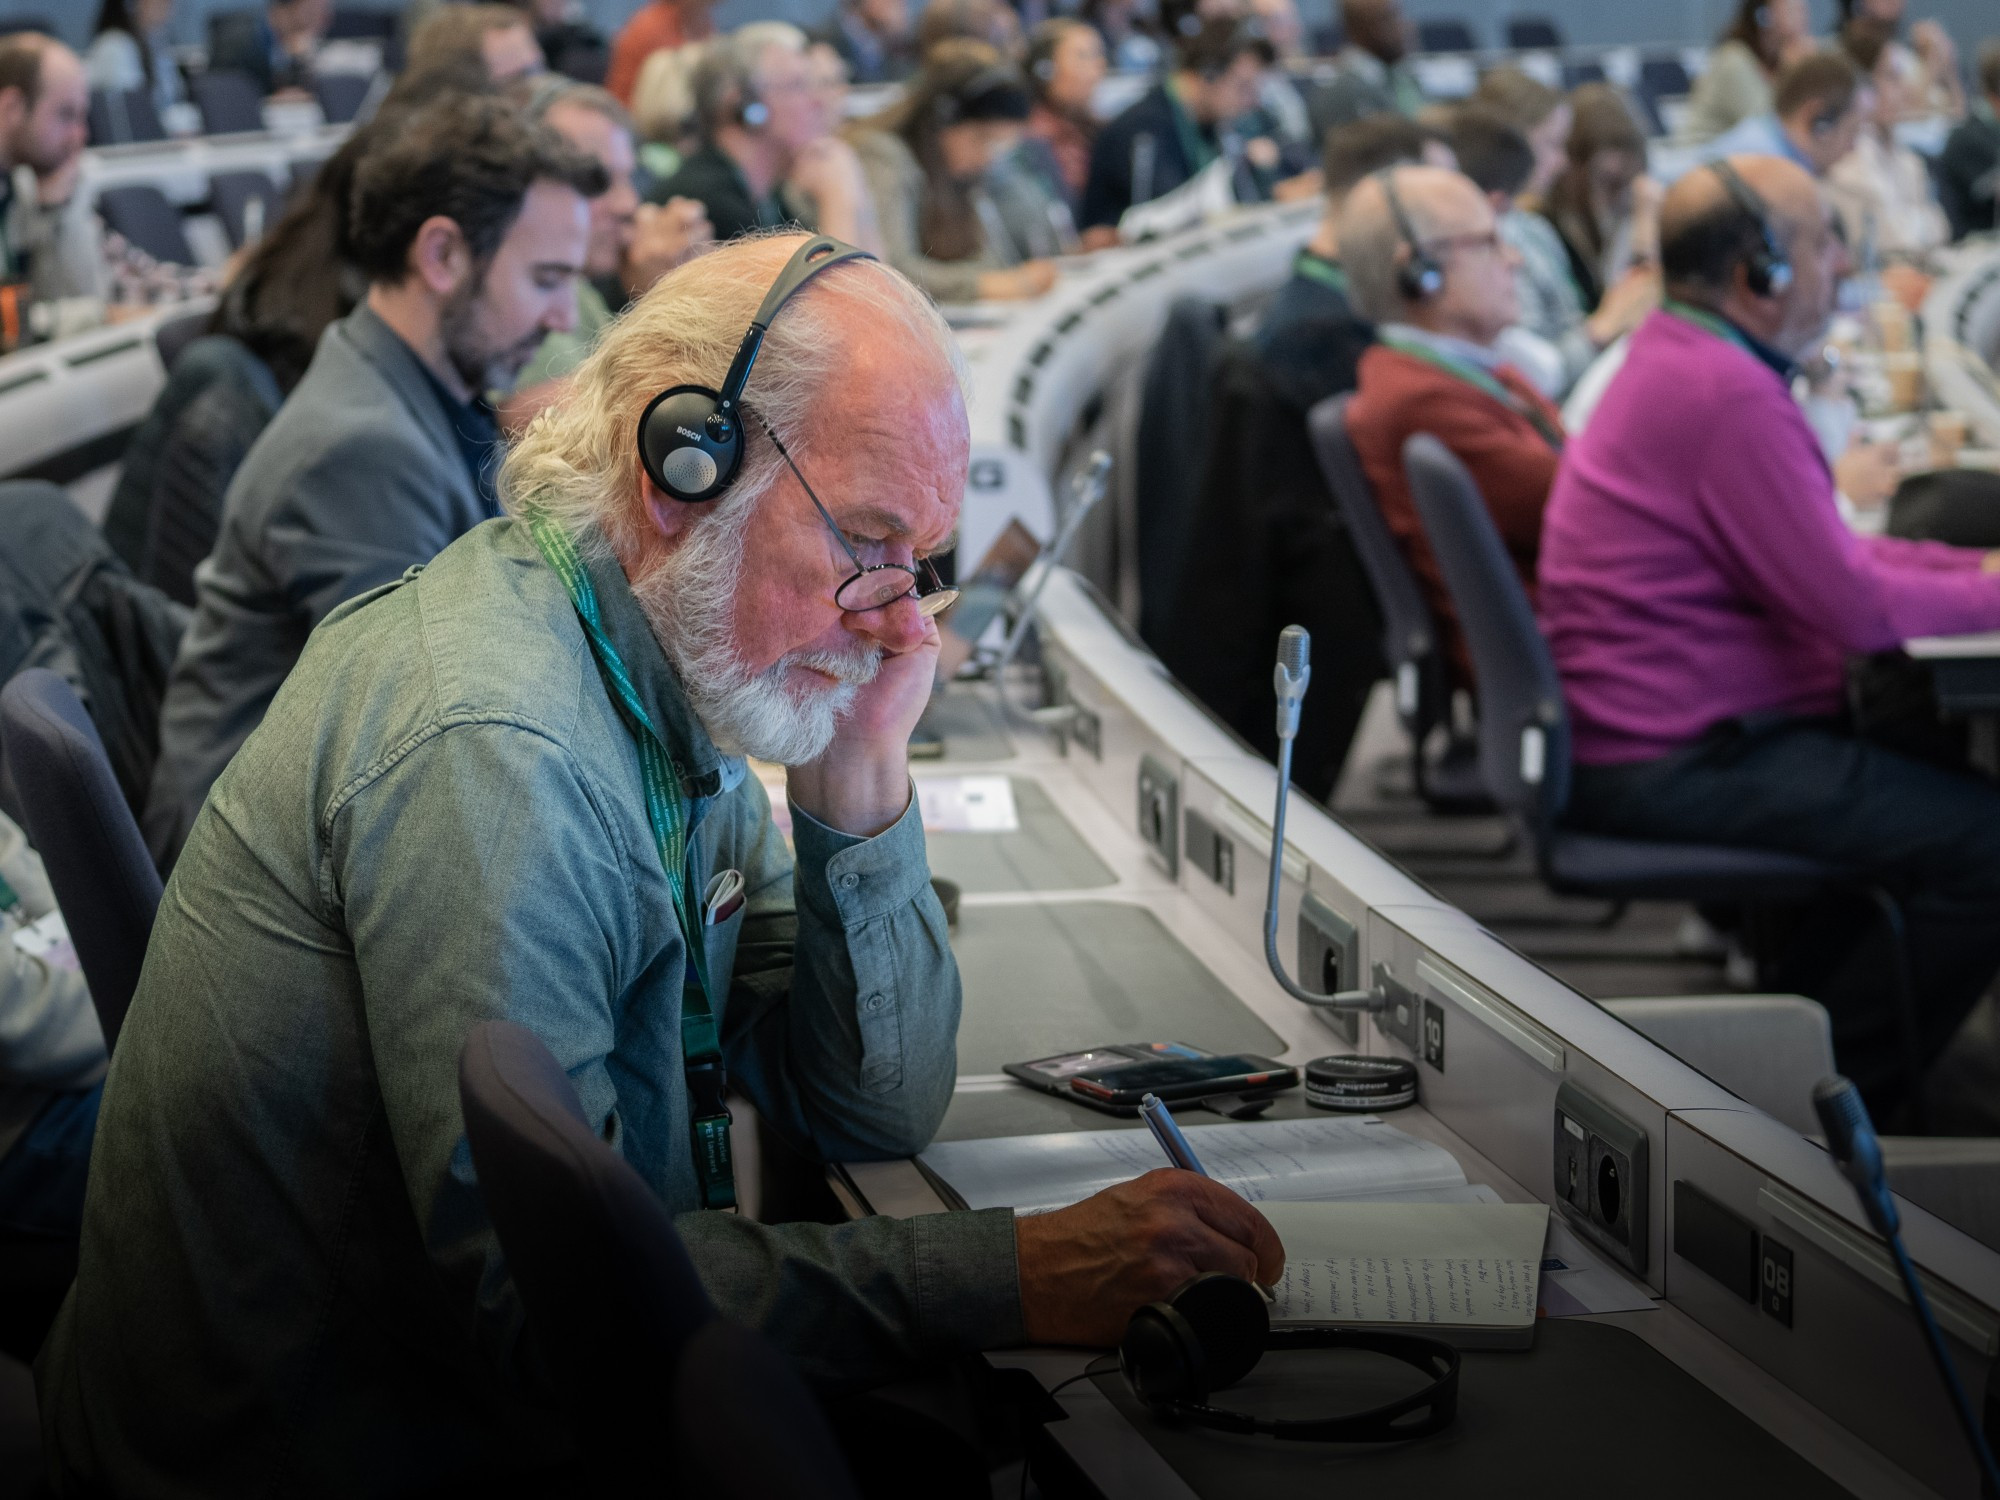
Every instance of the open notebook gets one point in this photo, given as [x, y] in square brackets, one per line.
[1380, 1229]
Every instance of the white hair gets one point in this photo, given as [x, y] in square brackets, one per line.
[728, 70]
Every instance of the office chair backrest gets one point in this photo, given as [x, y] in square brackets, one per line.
[341, 95]
[231, 194]
[143, 215]
[79, 822]
[1445, 34]
[1176, 395]
[120, 116]
[1533, 32]
[1523, 726]
[616, 1310]
[230, 102]
[1409, 634]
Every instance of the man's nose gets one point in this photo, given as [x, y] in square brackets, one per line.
[894, 627]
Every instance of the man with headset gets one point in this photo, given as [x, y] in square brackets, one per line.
[1820, 104]
[768, 155]
[1702, 598]
[512, 785]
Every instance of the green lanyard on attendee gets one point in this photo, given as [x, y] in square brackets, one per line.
[701, 1049]
[1194, 145]
[1480, 380]
[1702, 318]
[1318, 268]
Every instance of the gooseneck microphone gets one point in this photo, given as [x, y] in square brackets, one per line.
[1293, 672]
[1851, 1138]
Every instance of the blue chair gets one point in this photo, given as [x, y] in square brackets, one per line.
[120, 117]
[78, 820]
[1661, 78]
[1534, 34]
[628, 1337]
[341, 95]
[1445, 35]
[230, 102]
[1449, 783]
[173, 336]
[230, 194]
[1524, 747]
[143, 215]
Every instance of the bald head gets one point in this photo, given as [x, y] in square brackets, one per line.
[1443, 216]
[44, 103]
[1708, 239]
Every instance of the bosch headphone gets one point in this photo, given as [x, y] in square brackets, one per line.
[752, 113]
[1212, 1332]
[1767, 271]
[995, 92]
[691, 437]
[1419, 278]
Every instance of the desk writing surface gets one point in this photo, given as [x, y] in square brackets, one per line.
[1045, 853]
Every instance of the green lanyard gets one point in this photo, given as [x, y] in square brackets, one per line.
[1477, 378]
[1318, 268]
[701, 1049]
[9, 900]
[1701, 317]
[1198, 151]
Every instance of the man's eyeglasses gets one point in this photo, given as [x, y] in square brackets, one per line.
[875, 585]
[1447, 242]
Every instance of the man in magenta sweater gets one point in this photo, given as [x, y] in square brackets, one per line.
[1702, 598]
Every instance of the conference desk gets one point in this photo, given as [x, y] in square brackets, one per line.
[1093, 923]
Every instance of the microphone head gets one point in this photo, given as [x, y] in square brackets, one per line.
[1851, 1139]
[1294, 648]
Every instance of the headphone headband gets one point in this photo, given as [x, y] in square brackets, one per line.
[1769, 270]
[1420, 278]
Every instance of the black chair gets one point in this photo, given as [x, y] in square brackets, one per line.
[1172, 448]
[1450, 782]
[79, 822]
[1577, 74]
[231, 195]
[142, 214]
[1534, 34]
[341, 95]
[175, 334]
[1524, 747]
[352, 24]
[120, 117]
[230, 102]
[1661, 78]
[618, 1317]
[1446, 35]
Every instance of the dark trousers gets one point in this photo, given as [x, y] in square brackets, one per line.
[1927, 833]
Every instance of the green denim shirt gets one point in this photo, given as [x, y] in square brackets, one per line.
[288, 1284]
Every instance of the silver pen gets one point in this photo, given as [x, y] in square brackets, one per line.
[1167, 1131]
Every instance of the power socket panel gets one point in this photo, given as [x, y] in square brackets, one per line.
[1330, 960]
[1600, 1175]
[1160, 812]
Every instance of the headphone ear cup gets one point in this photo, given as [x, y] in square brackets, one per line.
[680, 450]
[1160, 1357]
[1231, 1323]
[755, 114]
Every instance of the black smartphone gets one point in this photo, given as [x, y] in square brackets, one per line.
[1116, 1078]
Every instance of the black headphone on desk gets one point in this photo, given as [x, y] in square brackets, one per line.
[1212, 1332]
[691, 437]
[1767, 271]
[1419, 278]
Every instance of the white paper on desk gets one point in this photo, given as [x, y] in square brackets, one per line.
[1468, 1265]
[1324, 1159]
[968, 804]
[1576, 1281]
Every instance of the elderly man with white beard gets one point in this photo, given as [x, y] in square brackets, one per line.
[465, 804]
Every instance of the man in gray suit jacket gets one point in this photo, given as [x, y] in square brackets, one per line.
[472, 226]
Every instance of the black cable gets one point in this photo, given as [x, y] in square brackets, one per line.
[1089, 1371]
[1974, 1433]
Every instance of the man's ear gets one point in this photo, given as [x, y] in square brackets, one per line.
[668, 519]
[439, 256]
[13, 110]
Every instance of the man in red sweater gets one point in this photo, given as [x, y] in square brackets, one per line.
[1435, 369]
[656, 26]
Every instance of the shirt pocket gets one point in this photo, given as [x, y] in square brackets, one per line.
[719, 948]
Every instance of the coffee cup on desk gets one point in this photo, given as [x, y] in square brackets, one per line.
[1905, 375]
[1947, 434]
[1893, 329]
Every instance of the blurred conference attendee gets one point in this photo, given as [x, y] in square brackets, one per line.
[768, 155]
[570, 45]
[1703, 597]
[471, 226]
[873, 38]
[288, 1279]
[499, 36]
[655, 25]
[1881, 188]
[53, 274]
[1266, 546]
[1552, 304]
[1969, 170]
[1178, 128]
[663, 113]
[130, 52]
[993, 22]
[1065, 66]
[1131, 44]
[1817, 111]
[1370, 75]
[632, 244]
[1765, 38]
[1602, 203]
[926, 158]
[275, 46]
[1931, 57]
[1435, 368]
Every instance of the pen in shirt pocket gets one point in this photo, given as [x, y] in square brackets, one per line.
[722, 898]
